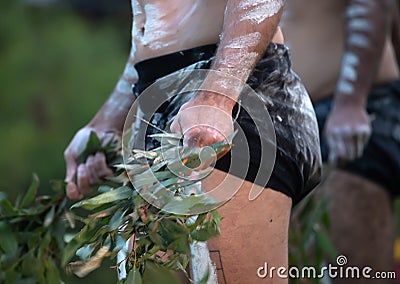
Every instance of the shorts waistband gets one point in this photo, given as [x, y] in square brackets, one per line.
[382, 89]
[152, 69]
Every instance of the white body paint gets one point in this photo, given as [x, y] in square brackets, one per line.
[357, 11]
[162, 27]
[348, 73]
[358, 40]
[359, 26]
[241, 57]
[244, 41]
[201, 263]
[258, 11]
[124, 87]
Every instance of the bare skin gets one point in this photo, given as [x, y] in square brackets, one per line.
[252, 233]
[162, 27]
[111, 116]
[366, 238]
[324, 40]
[324, 64]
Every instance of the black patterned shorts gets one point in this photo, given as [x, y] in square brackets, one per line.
[380, 161]
[296, 165]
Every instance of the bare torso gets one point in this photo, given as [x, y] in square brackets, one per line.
[162, 27]
[314, 31]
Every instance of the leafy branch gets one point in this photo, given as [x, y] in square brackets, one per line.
[41, 234]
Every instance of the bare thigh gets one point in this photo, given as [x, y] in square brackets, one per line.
[362, 227]
[252, 233]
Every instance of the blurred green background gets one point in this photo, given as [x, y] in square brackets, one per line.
[58, 63]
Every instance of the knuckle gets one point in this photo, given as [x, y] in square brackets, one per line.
[67, 152]
[100, 157]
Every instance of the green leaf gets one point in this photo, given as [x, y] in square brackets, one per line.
[144, 179]
[82, 238]
[30, 280]
[120, 193]
[83, 268]
[180, 245]
[3, 196]
[29, 264]
[323, 241]
[203, 234]
[184, 205]
[44, 244]
[172, 229]
[135, 168]
[104, 188]
[52, 272]
[170, 138]
[31, 193]
[57, 185]
[157, 274]
[49, 217]
[144, 154]
[6, 204]
[119, 243]
[134, 277]
[116, 219]
[316, 215]
[193, 224]
[8, 241]
[84, 252]
[92, 146]
[104, 213]
[156, 238]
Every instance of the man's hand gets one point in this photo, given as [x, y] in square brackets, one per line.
[347, 131]
[80, 178]
[205, 119]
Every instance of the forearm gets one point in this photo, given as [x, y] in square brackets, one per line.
[249, 26]
[395, 35]
[367, 22]
[112, 114]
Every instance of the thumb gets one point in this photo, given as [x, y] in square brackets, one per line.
[71, 164]
[70, 161]
[175, 126]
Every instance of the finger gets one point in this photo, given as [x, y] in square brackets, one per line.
[203, 135]
[337, 148]
[366, 136]
[333, 158]
[91, 168]
[363, 136]
[350, 147]
[333, 150]
[73, 192]
[360, 145]
[71, 189]
[101, 165]
[70, 161]
[341, 147]
[83, 179]
[175, 126]
[191, 138]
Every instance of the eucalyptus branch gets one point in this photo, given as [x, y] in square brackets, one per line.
[40, 236]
